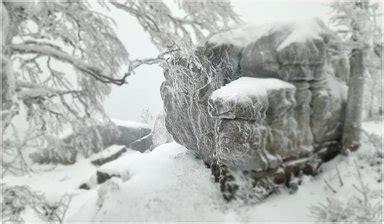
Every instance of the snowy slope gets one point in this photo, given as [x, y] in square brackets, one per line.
[170, 184]
[165, 185]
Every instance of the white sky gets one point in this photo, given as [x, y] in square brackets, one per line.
[128, 101]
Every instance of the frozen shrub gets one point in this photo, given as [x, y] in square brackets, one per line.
[160, 134]
[16, 199]
[366, 207]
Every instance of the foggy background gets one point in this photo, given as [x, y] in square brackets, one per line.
[143, 89]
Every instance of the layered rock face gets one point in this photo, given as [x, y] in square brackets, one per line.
[254, 123]
[277, 95]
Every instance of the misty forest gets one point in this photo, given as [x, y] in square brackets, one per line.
[194, 111]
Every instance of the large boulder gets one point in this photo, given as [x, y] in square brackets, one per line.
[143, 144]
[290, 108]
[293, 52]
[107, 155]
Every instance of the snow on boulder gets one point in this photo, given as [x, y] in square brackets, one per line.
[109, 154]
[244, 98]
[142, 144]
[294, 32]
[243, 35]
[130, 124]
[131, 131]
[268, 50]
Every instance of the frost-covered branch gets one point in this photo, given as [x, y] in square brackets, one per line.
[201, 19]
[16, 199]
[61, 33]
[42, 37]
[32, 47]
[134, 64]
[356, 21]
[31, 90]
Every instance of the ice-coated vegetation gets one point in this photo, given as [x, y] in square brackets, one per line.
[274, 122]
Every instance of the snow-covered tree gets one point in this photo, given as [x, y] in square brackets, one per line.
[61, 56]
[59, 59]
[195, 21]
[356, 20]
[146, 116]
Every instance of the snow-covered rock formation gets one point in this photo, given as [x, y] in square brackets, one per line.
[249, 112]
[277, 95]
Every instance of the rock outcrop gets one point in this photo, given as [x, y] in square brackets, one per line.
[254, 122]
[276, 95]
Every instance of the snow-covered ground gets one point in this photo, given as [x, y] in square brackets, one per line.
[170, 184]
[374, 127]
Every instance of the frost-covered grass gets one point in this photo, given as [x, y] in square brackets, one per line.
[364, 207]
[170, 184]
[361, 196]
